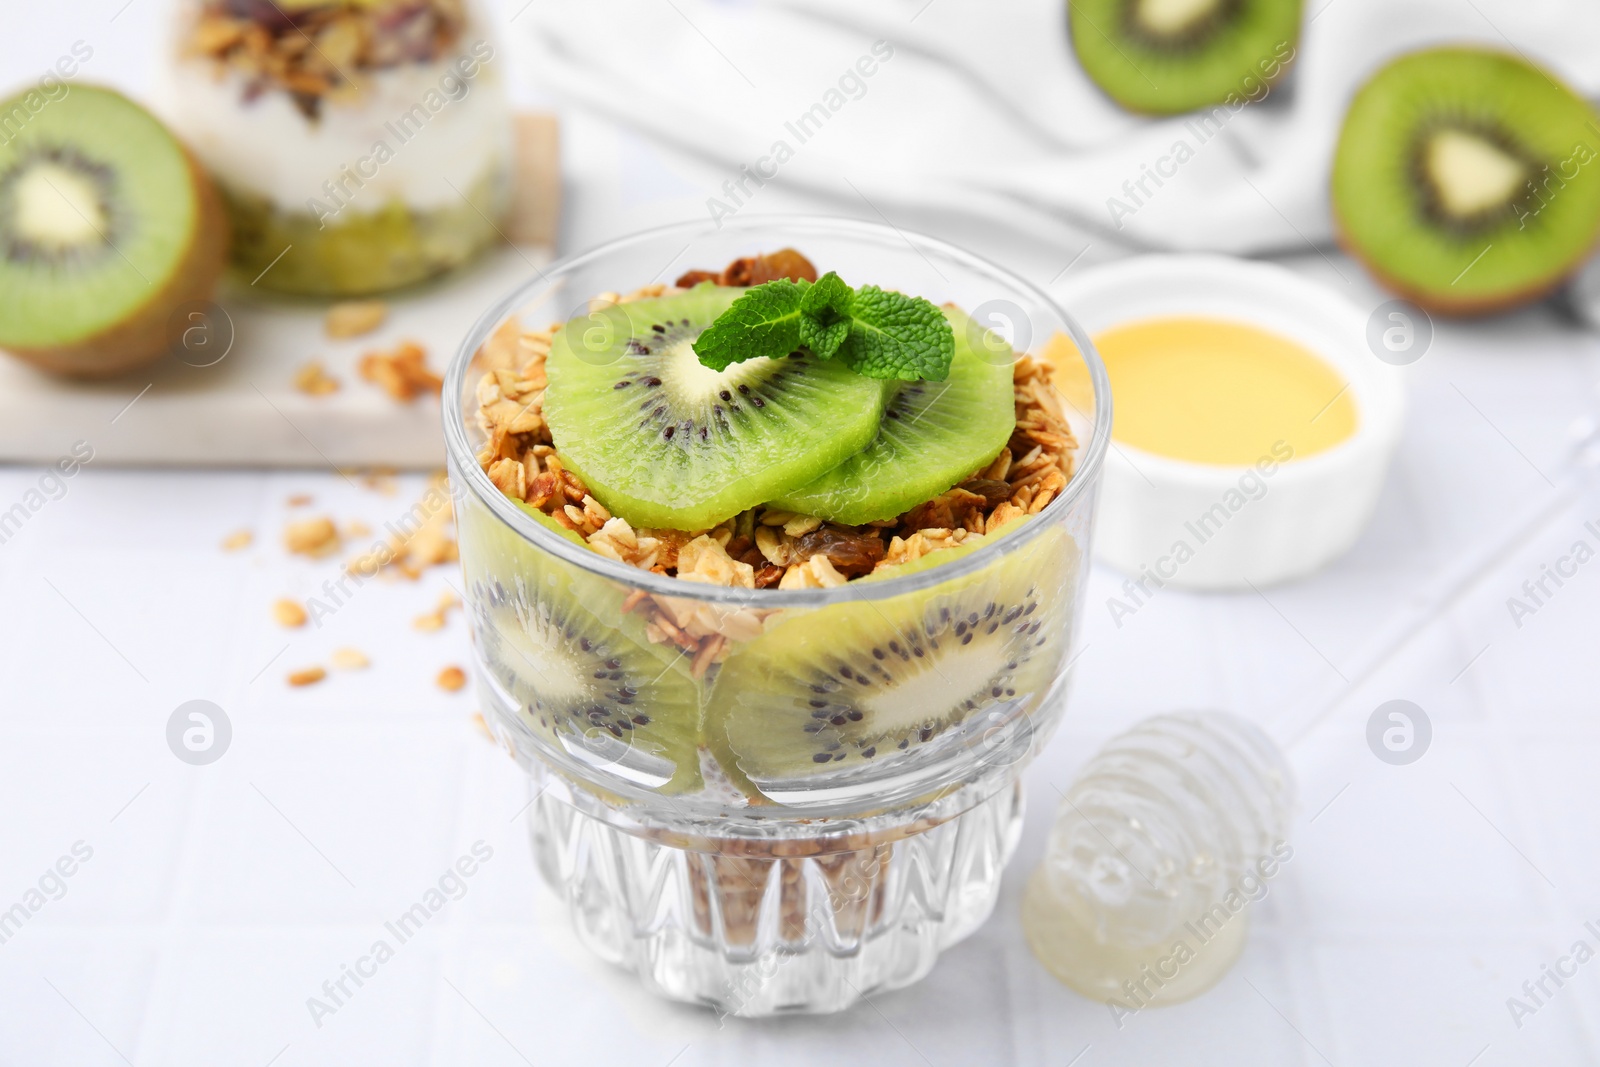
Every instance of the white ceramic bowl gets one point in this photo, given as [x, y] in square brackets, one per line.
[1204, 526]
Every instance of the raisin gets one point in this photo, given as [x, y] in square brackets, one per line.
[852, 552]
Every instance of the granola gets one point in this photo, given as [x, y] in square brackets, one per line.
[314, 50]
[402, 373]
[312, 537]
[314, 380]
[289, 613]
[765, 547]
[352, 318]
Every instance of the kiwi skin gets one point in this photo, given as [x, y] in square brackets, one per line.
[1178, 92]
[143, 337]
[1432, 299]
[1440, 304]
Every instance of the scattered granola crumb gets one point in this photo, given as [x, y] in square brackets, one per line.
[422, 538]
[237, 540]
[312, 537]
[350, 659]
[402, 373]
[483, 726]
[356, 528]
[289, 612]
[320, 53]
[452, 679]
[355, 317]
[380, 479]
[299, 500]
[307, 676]
[313, 380]
[436, 619]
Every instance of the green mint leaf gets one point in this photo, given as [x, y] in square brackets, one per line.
[825, 315]
[897, 336]
[765, 321]
[823, 341]
[827, 299]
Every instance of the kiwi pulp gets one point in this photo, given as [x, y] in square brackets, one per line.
[933, 435]
[1164, 57]
[1467, 179]
[359, 253]
[664, 441]
[107, 226]
[583, 677]
[897, 682]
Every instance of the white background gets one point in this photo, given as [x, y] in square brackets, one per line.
[218, 899]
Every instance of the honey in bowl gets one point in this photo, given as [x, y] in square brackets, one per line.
[1220, 392]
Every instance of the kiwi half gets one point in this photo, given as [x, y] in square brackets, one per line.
[107, 226]
[1163, 57]
[932, 436]
[582, 675]
[899, 682]
[665, 441]
[1468, 179]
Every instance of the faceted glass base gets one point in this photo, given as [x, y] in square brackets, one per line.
[778, 926]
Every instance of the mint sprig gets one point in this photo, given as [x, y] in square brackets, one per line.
[765, 321]
[878, 333]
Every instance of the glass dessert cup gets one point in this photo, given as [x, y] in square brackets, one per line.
[360, 145]
[710, 830]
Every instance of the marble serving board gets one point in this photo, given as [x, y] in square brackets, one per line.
[244, 409]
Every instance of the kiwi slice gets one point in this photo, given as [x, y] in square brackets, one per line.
[1468, 179]
[361, 253]
[107, 226]
[1163, 57]
[665, 441]
[584, 676]
[900, 682]
[932, 436]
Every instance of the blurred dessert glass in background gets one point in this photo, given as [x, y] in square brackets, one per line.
[361, 145]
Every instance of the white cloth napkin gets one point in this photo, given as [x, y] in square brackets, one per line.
[981, 108]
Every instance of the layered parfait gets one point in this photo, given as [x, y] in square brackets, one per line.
[361, 145]
[761, 445]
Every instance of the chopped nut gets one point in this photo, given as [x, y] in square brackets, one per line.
[289, 613]
[452, 679]
[773, 547]
[801, 525]
[500, 351]
[313, 380]
[237, 540]
[1001, 515]
[402, 373]
[706, 655]
[510, 477]
[307, 676]
[312, 537]
[433, 620]
[704, 560]
[350, 659]
[353, 318]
